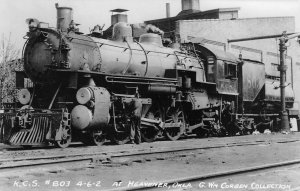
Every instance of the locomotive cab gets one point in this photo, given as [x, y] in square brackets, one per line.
[221, 68]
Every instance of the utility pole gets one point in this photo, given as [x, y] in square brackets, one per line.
[283, 39]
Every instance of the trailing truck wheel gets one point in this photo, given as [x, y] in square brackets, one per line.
[174, 115]
[202, 133]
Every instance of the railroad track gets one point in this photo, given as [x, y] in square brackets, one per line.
[105, 158]
[199, 179]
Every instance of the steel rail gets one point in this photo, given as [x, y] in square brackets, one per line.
[139, 150]
[220, 174]
[135, 153]
[47, 160]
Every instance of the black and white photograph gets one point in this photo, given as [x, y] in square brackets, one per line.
[167, 95]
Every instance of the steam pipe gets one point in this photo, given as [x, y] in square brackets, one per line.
[256, 38]
[130, 58]
[146, 55]
[53, 98]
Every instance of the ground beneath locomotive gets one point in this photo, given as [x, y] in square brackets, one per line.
[127, 173]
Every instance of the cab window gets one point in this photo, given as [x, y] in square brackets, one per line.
[230, 70]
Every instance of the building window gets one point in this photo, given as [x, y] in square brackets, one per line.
[275, 66]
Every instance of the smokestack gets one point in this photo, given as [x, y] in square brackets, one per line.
[64, 17]
[118, 15]
[167, 10]
[190, 4]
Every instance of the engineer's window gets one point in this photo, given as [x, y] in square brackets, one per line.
[230, 70]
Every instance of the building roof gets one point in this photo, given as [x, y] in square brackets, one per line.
[186, 14]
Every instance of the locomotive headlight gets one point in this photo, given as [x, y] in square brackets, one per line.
[24, 96]
[84, 95]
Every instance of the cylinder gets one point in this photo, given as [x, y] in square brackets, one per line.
[81, 117]
[95, 116]
[64, 18]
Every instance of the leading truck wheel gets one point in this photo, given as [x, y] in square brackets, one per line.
[174, 115]
[93, 138]
[65, 137]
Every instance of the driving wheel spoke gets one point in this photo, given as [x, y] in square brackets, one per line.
[175, 116]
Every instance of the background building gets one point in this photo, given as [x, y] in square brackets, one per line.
[214, 27]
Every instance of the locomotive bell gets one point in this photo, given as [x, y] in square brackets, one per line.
[84, 95]
[32, 23]
[24, 96]
[97, 31]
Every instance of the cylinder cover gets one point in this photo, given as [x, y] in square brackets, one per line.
[81, 117]
[84, 95]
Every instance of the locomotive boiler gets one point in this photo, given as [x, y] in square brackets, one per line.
[90, 81]
[83, 85]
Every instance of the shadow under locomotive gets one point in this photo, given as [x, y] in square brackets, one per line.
[83, 87]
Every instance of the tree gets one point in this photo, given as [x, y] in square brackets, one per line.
[8, 62]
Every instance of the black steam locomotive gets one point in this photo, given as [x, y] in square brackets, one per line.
[82, 86]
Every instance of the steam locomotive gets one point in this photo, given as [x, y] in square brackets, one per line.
[83, 86]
